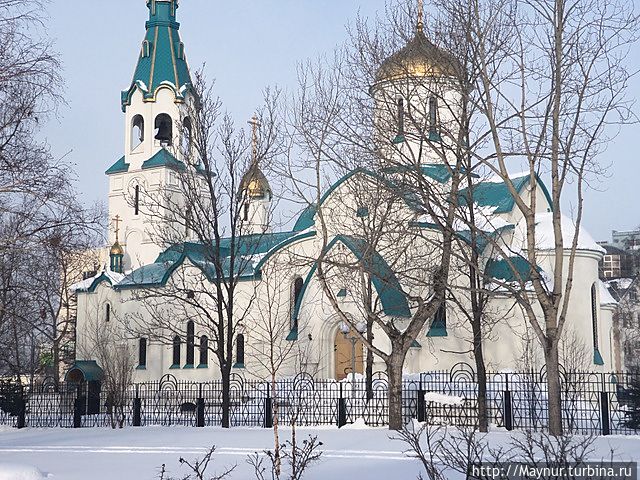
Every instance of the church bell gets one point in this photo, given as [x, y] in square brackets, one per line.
[164, 131]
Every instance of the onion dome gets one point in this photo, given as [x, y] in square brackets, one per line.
[116, 249]
[419, 58]
[255, 184]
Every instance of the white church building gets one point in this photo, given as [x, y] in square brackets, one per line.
[152, 109]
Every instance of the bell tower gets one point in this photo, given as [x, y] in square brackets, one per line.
[152, 110]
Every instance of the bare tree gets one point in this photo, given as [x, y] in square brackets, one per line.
[107, 343]
[205, 216]
[549, 82]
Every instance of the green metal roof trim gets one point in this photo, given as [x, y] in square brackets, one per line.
[162, 62]
[410, 199]
[97, 281]
[394, 302]
[283, 243]
[501, 269]
[158, 273]
[305, 220]
[164, 159]
[119, 167]
[497, 194]
[89, 369]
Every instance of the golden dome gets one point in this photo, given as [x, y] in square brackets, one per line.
[116, 249]
[419, 58]
[255, 183]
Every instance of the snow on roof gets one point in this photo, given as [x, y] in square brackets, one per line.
[113, 277]
[545, 239]
[605, 295]
[620, 283]
[500, 179]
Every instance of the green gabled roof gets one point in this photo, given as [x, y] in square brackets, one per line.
[119, 167]
[163, 159]
[516, 269]
[161, 61]
[394, 301]
[496, 193]
[157, 274]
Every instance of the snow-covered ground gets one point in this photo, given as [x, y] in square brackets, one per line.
[137, 453]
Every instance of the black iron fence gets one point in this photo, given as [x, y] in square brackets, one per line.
[592, 403]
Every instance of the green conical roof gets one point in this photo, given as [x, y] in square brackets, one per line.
[162, 61]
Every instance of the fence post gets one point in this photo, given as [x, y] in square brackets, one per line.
[268, 412]
[422, 407]
[508, 408]
[22, 413]
[604, 412]
[342, 409]
[77, 408]
[137, 408]
[200, 409]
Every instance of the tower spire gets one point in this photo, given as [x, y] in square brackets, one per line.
[420, 23]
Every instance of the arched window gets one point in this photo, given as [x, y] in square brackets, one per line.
[190, 343]
[164, 129]
[400, 119]
[245, 213]
[136, 200]
[146, 48]
[439, 324]
[296, 292]
[433, 119]
[142, 353]
[204, 351]
[107, 313]
[176, 351]
[239, 351]
[137, 131]
[187, 137]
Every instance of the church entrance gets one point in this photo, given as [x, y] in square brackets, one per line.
[342, 349]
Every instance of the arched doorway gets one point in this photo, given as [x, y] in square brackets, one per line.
[342, 352]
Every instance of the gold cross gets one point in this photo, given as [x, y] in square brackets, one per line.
[420, 25]
[117, 221]
[254, 126]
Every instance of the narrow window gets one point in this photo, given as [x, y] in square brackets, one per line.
[594, 316]
[187, 138]
[440, 319]
[245, 214]
[164, 129]
[107, 313]
[204, 351]
[187, 222]
[240, 350]
[433, 118]
[142, 353]
[190, 343]
[136, 200]
[137, 131]
[176, 351]
[296, 292]
[400, 105]
[439, 324]
[146, 48]
[181, 54]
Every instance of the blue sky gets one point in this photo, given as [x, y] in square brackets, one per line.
[247, 45]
